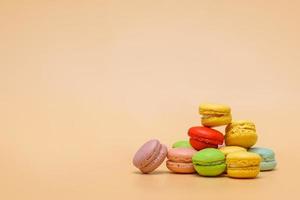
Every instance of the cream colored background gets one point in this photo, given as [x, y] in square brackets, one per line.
[84, 83]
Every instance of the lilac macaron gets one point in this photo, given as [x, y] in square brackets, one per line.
[150, 156]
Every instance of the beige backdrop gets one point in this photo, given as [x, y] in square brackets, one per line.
[84, 83]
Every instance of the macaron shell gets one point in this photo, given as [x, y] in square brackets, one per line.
[242, 159]
[182, 143]
[230, 149]
[243, 124]
[146, 153]
[216, 120]
[177, 167]
[265, 153]
[213, 170]
[240, 133]
[157, 161]
[208, 108]
[207, 141]
[245, 139]
[201, 145]
[249, 172]
[208, 155]
[183, 155]
[205, 132]
[267, 166]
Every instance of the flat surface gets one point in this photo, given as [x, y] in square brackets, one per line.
[83, 85]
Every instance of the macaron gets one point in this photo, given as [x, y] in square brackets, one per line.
[243, 164]
[230, 149]
[240, 133]
[204, 137]
[180, 160]
[215, 114]
[268, 158]
[181, 143]
[150, 156]
[209, 162]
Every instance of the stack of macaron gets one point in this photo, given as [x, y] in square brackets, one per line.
[204, 153]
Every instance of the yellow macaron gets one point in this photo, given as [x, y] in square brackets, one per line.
[240, 133]
[243, 164]
[231, 149]
[215, 114]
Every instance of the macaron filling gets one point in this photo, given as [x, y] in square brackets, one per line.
[229, 165]
[233, 167]
[207, 141]
[198, 163]
[206, 116]
[180, 164]
[201, 145]
[250, 168]
[268, 159]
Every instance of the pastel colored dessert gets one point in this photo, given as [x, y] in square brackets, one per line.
[215, 114]
[204, 137]
[150, 156]
[230, 149]
[181, 143]
[209, 162]
[268, 158]
[243, 164]
[240, 133]
[180, 160]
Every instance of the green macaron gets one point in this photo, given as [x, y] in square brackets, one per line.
[181, 143]
[209, 162]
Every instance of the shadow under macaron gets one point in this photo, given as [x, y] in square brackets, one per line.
[157, 172]
[219, 176]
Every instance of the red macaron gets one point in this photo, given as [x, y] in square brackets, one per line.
[204, 137]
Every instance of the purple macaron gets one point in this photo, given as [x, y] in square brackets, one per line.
[150, 156]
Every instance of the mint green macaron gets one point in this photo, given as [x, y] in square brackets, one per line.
[209, 162]
[182, 143]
